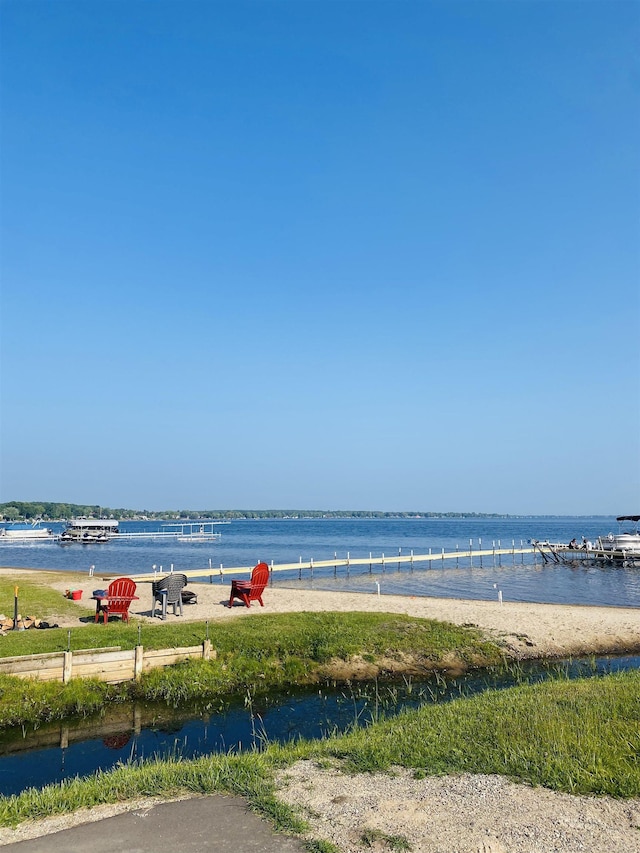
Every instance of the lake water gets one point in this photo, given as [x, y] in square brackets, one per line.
[53, 752]
[246, 542]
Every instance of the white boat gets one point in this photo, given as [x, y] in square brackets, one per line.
[25, 534]
[89, 531]
[626, 541]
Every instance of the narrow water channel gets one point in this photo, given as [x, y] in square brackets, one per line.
[53, 752]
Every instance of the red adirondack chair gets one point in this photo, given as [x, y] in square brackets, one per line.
[119, 596]
[248, 591]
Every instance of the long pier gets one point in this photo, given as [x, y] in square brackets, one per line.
[550, 552]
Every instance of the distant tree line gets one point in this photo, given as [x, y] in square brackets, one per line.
[47, 511]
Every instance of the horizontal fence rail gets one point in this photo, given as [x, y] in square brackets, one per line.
[108, 664]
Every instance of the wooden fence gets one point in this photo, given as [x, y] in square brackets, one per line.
[109, 664]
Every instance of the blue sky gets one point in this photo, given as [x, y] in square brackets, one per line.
[341, 255]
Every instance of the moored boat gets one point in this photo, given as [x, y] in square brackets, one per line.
[626, 541]
[89, 531]
[25, 534]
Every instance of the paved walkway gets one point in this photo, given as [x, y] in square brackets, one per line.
[197, 825]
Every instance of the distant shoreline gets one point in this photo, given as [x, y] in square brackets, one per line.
[48, 512]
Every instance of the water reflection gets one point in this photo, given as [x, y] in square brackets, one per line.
[54, 752]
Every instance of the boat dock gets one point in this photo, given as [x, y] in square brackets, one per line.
[560, 552]
[184, 532]
[15, 538]
[100, 531]
[478, 557]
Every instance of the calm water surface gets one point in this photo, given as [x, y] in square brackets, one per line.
[246, 542]
[54, 752]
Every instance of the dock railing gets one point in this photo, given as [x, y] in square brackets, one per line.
[549, 551]
[496, 553]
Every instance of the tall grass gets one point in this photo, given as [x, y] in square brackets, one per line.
[248, 775]
[257, 653]
[579, 736]
[576, 736]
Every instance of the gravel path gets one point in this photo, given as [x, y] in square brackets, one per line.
[455, 814]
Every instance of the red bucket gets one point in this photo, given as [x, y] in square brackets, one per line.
[76, 594]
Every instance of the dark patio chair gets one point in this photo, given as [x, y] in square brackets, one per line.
[166, 591]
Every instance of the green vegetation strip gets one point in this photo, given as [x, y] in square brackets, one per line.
[255, 653]
[48, 510]
[580, 737]
[35, 599]
[317, 636]
[575, 736]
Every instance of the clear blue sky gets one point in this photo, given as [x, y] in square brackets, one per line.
[341, 255]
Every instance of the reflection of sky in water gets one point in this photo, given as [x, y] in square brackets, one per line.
[311, 714]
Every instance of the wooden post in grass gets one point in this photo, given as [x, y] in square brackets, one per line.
[67, 666]
[137, 662]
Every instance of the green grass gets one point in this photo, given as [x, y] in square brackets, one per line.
[578, 736]
[248, 775]
[316, 636]
[34, 599]
[256, 653]
[29, 702]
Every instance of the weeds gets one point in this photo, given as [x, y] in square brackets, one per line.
[581, 737]
[370, 837]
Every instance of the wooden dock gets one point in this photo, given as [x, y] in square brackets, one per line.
[497, 555]
[383, 560]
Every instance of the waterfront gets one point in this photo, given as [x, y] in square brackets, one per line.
[133, 732]
[246, 542]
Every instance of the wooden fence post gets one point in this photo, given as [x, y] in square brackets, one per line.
[67, 666]
[137, 662]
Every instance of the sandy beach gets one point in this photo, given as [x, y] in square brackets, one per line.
[524, 630]
[466, 814]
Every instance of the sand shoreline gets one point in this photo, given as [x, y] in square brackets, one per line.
[525, 630]
[466, 813]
